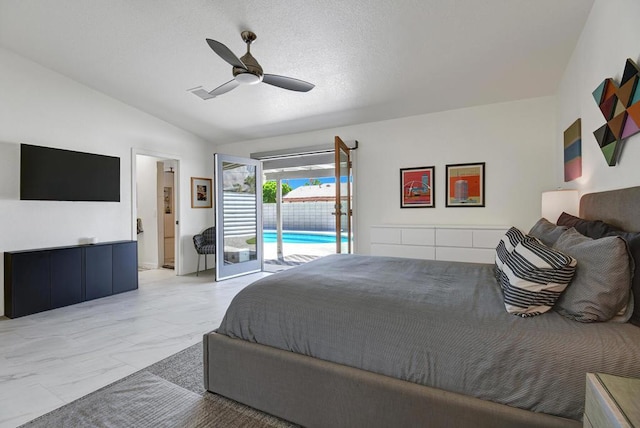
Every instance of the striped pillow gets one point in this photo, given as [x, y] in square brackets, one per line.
[534, 276]
[504, 249]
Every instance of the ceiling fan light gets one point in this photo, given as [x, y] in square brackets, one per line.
[247, 79]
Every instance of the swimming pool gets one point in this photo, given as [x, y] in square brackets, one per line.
[289, 237]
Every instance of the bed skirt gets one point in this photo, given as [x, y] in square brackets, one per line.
[317, 393]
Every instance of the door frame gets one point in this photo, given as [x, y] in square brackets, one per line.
[176, 185]
[226, 271]
[341, 147]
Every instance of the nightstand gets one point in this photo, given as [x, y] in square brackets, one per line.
[611, 401]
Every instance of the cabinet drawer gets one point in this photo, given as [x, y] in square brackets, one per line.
[418, 236]
[98, 272]
[407, 251]
[30, 292]
[487, 238]
[454, 238]
[386, 235]
[468, 255]
[66, 277]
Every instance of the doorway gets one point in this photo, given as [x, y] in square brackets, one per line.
[166, 206]
[155, 202]
[307, 203]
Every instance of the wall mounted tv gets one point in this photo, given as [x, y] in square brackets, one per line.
[48, 174]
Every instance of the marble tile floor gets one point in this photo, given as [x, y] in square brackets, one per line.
[54, 357]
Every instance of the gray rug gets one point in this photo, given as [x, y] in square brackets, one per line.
[169, 393]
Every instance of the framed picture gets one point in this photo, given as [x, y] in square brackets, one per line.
[465, 185]
[200, 192]
[417, 187]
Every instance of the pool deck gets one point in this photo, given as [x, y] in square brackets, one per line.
[271, 250]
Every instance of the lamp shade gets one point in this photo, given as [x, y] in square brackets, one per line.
[558, 201]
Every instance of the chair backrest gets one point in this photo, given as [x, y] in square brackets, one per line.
[209, 235]
[198, 242]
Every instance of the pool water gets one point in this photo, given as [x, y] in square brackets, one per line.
[302, 237]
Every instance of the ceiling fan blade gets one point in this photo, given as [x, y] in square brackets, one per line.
[287, 83]
[226, 54]
[202, 93]
[224, 88]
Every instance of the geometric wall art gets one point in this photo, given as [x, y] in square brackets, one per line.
[465, 185]
[417, 187]
[573, 151]
[620, 106]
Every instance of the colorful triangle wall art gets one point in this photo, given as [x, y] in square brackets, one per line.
[620, 106]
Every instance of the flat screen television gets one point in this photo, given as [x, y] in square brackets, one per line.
[48, 174]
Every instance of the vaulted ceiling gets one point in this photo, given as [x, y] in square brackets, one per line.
[370, 60]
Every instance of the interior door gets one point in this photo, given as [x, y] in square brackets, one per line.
[344, 212]
[238, 213]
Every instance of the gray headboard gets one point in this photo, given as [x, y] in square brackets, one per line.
[618, 207]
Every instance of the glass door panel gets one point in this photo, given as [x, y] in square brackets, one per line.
[238, 216]
[343, 213]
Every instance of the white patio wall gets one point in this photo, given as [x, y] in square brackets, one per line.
[313, 216]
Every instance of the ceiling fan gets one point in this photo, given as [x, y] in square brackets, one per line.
[247, 71]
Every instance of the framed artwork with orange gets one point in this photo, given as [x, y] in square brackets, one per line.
[465, 185]
[417, 187]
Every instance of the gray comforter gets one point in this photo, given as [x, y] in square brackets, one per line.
[440, 324]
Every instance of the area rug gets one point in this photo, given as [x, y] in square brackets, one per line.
[169, 393]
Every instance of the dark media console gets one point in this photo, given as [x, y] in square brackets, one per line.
[49, 278]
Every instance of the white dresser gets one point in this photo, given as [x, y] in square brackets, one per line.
[475, 244]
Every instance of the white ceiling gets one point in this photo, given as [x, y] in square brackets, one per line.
[370, 60]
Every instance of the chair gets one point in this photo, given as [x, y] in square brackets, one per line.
[205, 243]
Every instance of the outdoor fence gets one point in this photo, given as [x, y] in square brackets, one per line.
[312, 216]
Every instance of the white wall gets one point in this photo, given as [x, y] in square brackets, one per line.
[516, 140]
[41, 107]
[609, 37]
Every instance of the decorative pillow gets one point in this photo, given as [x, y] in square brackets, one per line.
[625, 314]
[633, 243]
[597, 229]
[534, 276]
[592, 228]
[602, 283]
[505, 248]
[547, 232]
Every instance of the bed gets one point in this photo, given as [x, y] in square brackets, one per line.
[368, 341]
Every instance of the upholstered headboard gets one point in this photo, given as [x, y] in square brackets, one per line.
[620, 207]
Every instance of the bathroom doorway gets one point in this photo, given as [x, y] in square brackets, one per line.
[156, 211]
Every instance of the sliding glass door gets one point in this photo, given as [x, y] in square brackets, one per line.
[238, 213]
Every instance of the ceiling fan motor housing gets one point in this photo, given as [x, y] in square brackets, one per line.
[253, 73]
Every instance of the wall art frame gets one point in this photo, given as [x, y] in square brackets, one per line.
[201, 192]
[573, 151]
[465, 185]
[417, 187]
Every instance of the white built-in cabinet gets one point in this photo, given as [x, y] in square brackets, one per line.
[474, 244]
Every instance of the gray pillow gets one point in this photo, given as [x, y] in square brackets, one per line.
[602, 283]
[547, 232]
